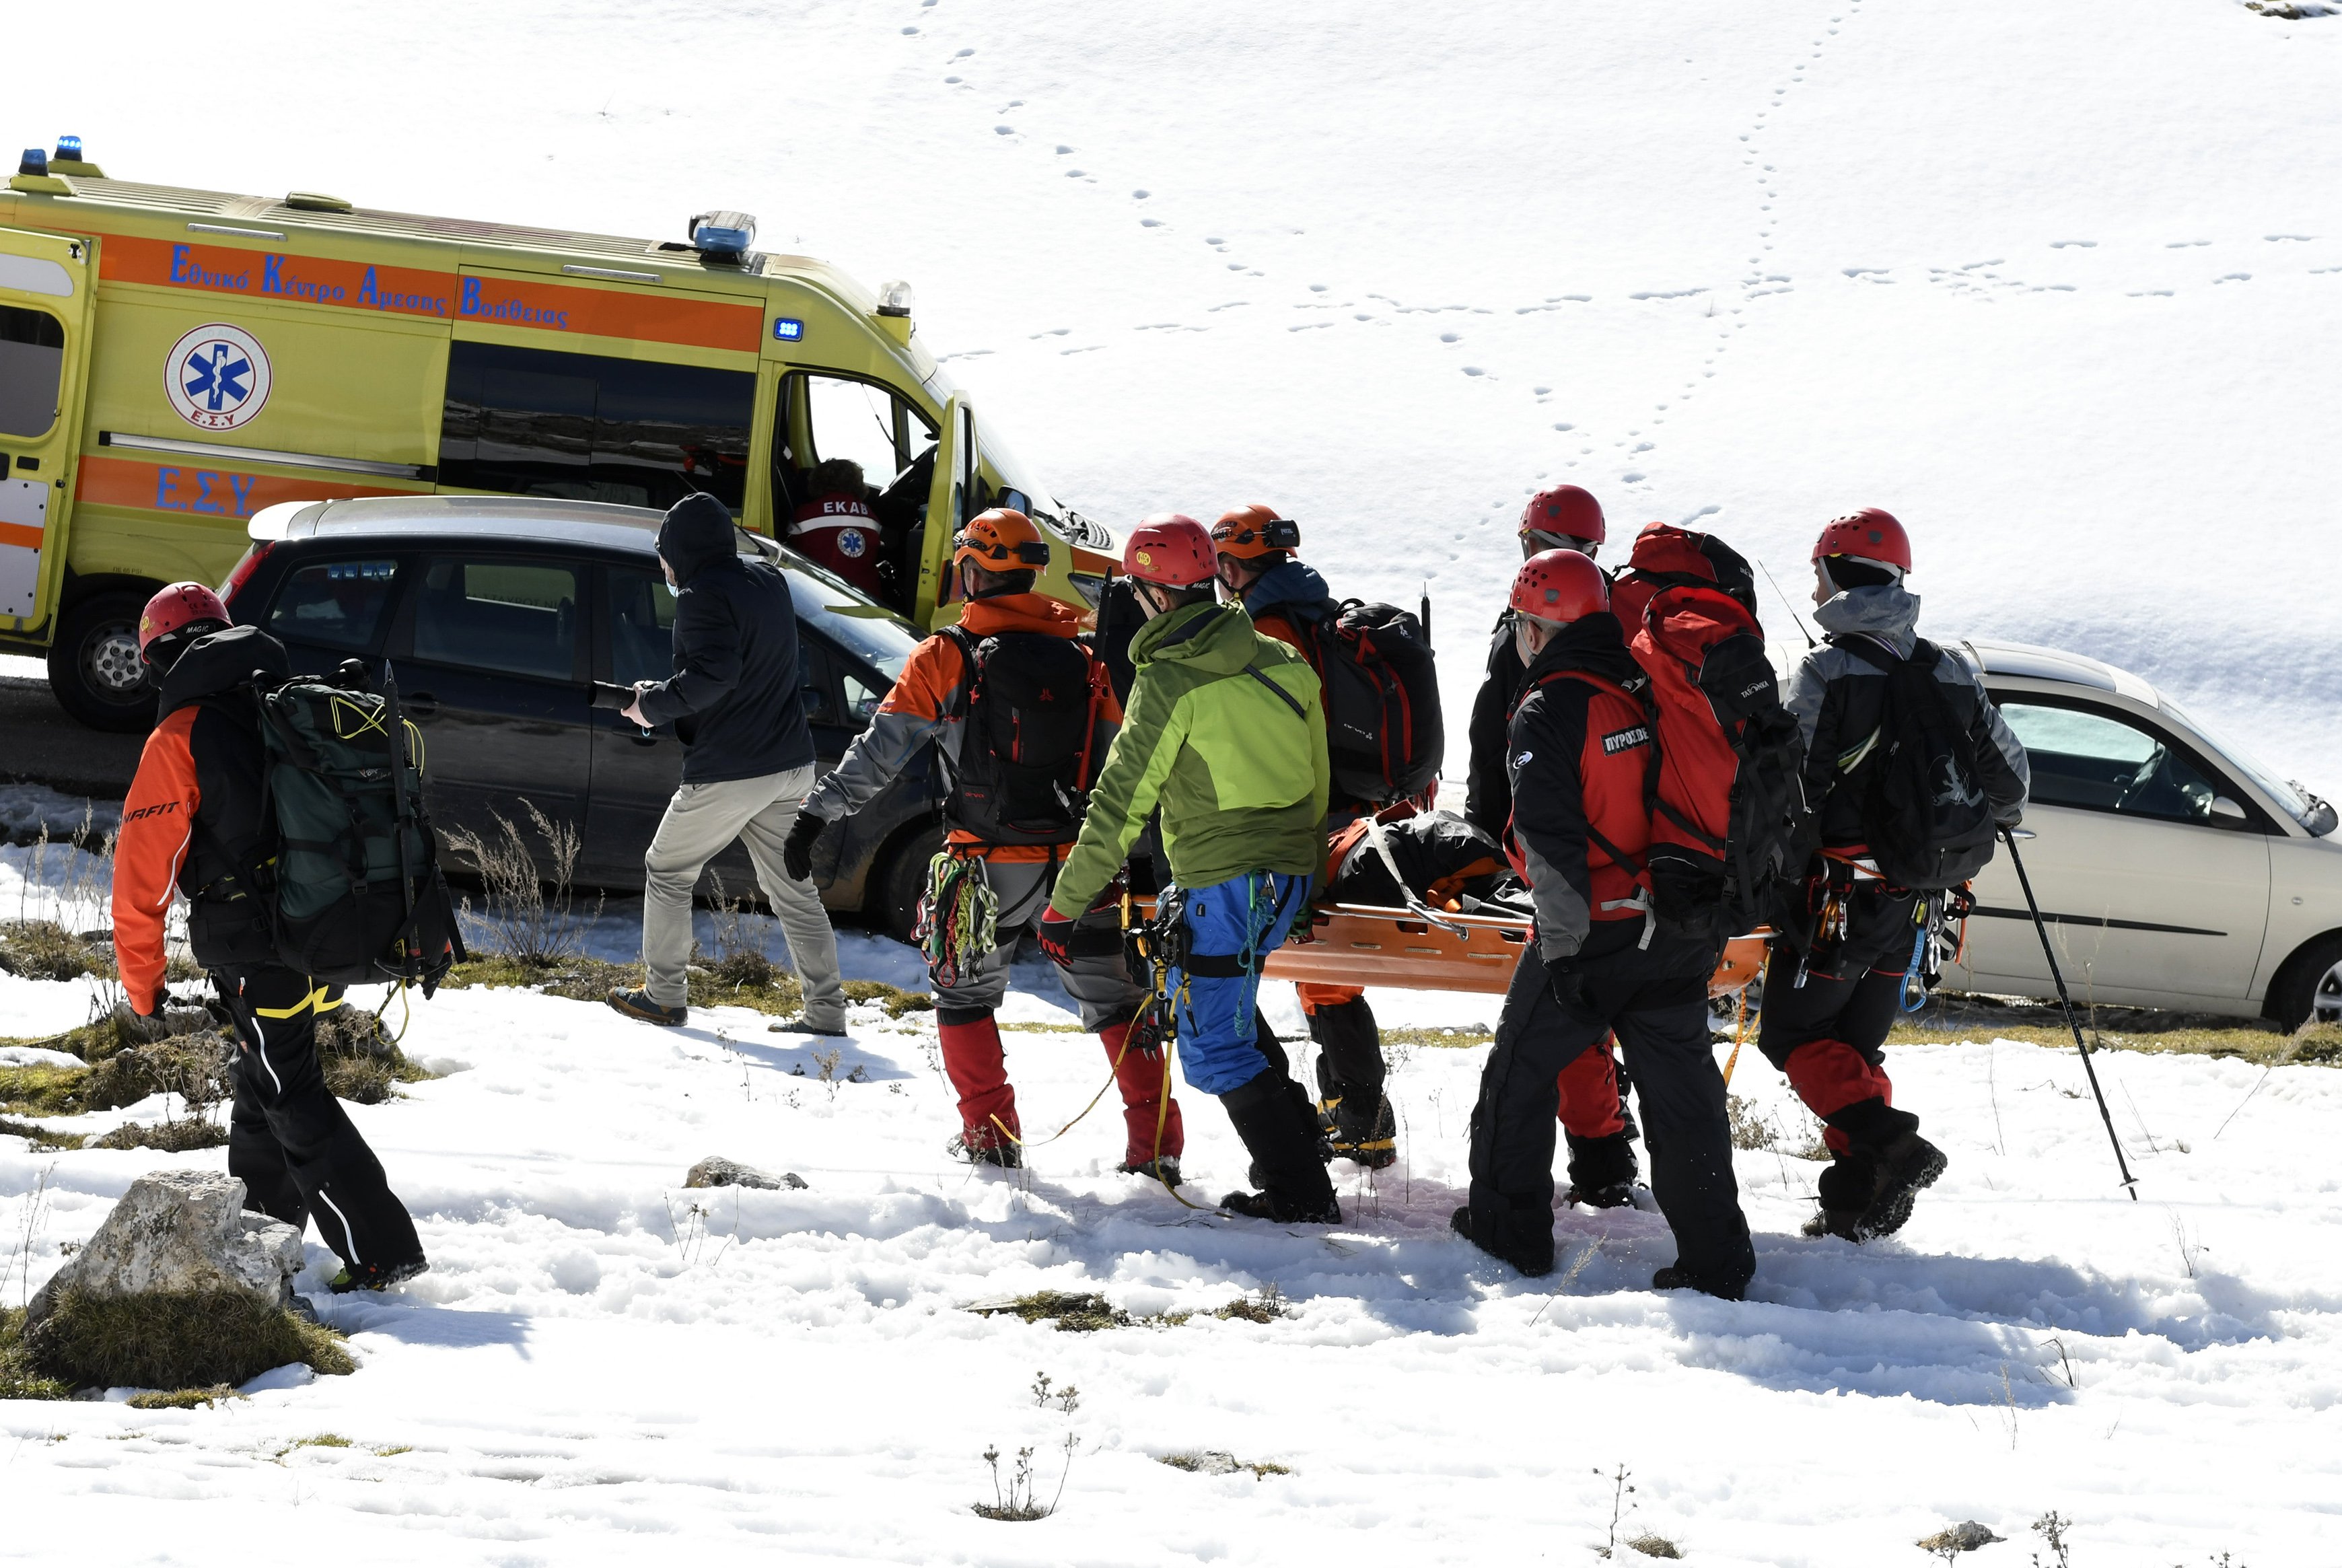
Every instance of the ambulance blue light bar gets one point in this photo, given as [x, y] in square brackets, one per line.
[723, 232]
[68, 149]
[34, 162]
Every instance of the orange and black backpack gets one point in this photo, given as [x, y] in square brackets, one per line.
[1029, 754]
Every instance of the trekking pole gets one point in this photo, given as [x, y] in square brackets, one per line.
[2129, 1181]
[1800, 620]
[398, 756]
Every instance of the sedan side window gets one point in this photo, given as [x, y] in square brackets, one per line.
[642, 625]
[2096, 762]
[334, 604]
[514, 618]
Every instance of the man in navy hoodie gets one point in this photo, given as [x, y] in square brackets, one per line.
[747, 761]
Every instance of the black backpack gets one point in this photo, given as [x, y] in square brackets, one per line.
[1925, 811]
[1384, 734]
[348, 866]
[1028, 717]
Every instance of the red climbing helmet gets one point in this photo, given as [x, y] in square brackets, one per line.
[1564, 511]
[1560, 585]
[1170, 548]
[176, 608]
[1869, 535]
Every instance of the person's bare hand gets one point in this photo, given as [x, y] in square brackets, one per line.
[633, 709]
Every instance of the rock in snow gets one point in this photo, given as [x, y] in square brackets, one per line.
[715, 1171]
[181, 1231]
[1965, 1537]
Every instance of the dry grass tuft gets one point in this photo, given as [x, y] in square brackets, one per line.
[44, 950]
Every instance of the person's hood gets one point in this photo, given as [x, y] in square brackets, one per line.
[1021, 613]
[220, 662]
[1217, 639]
[697, 533]
[1286, 582]
[1889, 612]
[1594, 643]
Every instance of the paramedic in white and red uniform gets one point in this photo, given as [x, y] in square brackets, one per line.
[836, 528]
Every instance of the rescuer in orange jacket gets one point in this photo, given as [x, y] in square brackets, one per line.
[193, 824]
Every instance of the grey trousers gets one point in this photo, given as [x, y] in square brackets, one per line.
[1099, 981]
[700, 821]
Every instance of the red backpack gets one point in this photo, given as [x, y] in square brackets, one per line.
[1727, 793]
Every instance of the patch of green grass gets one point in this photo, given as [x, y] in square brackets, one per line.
[1461, 1039]
[1044, 1028]
[41, 1139]
[1073, 1313]
[184, 1398]
[45, 1091]
[743, 980]
[44, 950]
[2140, 1029]
[174, 1341]
[1211, 1463]
[19, 1378]
[1264, 1306]
[322, 1440]
[895, 1000]
[394, 1450]
[169, 1137]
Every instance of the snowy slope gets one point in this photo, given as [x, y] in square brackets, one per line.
[2059, 284]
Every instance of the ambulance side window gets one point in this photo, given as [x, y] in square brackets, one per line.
[827, 416]
[588, 427]
[31, 367]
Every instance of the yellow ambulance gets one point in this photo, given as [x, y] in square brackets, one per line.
[172, 361]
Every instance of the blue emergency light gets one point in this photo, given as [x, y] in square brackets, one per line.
[68, 149]
[723, 232]
[35, 162]
[789, 329]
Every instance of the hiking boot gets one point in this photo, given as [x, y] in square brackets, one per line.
[1676, 1277]
[369, 1277]
[1279, 1125]
[1618, 1195]
[1523, 1253]
[1269, 1205]
[1164, 1168]
[800, 1026]
[997, 1152]
[1367, 1138]
[1905, 1166]
[637, 1003]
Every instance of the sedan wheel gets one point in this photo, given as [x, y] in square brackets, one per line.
[2326, 1004]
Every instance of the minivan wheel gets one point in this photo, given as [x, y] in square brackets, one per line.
[93, 666]
[895, 894]
[2309, 985]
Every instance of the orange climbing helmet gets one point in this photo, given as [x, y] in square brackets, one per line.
[1001, 540]
[1251, 531]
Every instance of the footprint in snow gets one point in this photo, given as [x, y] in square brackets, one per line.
[2084, 245]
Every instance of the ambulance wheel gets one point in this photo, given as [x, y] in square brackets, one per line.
[94, 666]
[902, 881]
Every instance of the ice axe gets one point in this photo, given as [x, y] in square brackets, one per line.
[2129, 1181]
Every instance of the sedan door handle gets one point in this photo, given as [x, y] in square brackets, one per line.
[420, 705]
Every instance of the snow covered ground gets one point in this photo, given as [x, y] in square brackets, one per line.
[2059, 284]
[602, 1362]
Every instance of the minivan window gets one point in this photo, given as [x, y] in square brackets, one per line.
[333, 603]
[514, 618]
[863, 629]
[32, 368]
[586, 427]
[2096, 762]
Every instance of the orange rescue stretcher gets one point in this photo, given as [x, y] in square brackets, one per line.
[1366, 945]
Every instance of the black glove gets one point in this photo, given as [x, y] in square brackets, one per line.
[1567, 984]
[1054, 933]
[796, 855]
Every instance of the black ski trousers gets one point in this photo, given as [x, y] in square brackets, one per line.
[290, 1142]
[1656, 1003]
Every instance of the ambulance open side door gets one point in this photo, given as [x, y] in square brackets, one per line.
[947, 508]
[48, 294]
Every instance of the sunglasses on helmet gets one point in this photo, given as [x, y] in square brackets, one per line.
[1278, 534]
[1032, 553]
